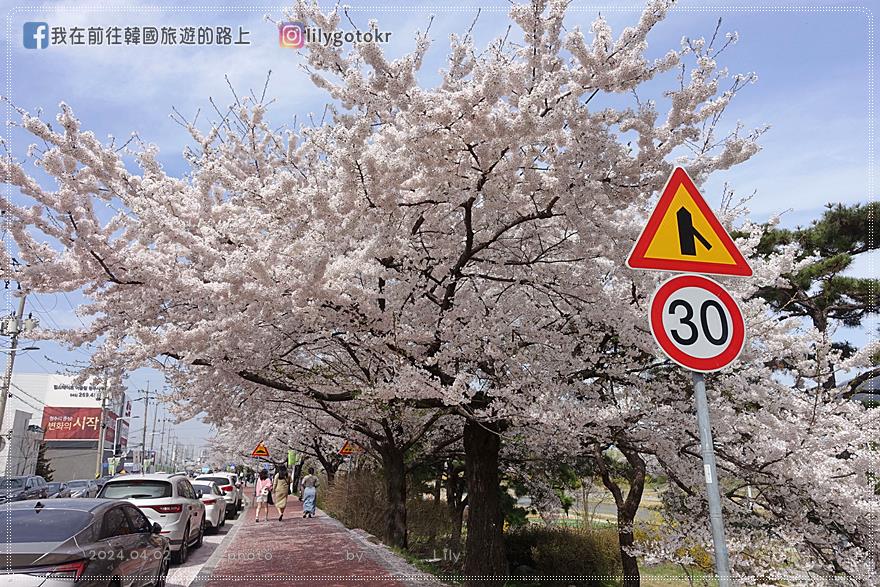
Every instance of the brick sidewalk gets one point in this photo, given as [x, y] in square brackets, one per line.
[318, 551]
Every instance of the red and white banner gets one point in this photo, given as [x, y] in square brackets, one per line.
[71, 423]
[75, 423]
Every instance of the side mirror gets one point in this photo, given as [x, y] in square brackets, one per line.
[199, 493]
[156, 529]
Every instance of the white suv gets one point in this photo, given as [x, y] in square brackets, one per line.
[170, 501]
[231, 488]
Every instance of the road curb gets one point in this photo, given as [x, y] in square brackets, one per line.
[207, 569]
[398, 568]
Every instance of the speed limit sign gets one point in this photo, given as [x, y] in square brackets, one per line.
[697, 323]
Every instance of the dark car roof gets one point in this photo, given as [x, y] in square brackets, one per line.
[64, 503]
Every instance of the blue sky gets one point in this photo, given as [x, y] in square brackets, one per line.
[813, 89]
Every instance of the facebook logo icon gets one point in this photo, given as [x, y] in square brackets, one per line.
[36, 35]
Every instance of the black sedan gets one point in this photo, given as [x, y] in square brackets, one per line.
[95, 542]
[23, 487]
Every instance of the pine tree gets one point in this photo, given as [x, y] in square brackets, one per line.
[819, 291]
[44, 469]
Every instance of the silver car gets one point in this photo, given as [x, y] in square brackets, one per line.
[83, 488]
[215, 504]
[87, 542]
[170, 501]
[230, 486]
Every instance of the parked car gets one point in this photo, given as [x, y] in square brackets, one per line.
[23, 487]
[83, 488]
[215, 504]
[101, 480]
[93, 542]
[169, 500]
[57, 490]
[230, 487]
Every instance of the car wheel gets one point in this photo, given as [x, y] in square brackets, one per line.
[162, 577]
[201, 537]
[183, 551]
[223, 518]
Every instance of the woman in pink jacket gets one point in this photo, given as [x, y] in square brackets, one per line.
[261, 494]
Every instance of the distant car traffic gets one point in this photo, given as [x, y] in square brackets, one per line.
[83, 488]
[231, 488]
[24, 487]
[89, 542]
[215, 504]
[169, 500]
[57, 490]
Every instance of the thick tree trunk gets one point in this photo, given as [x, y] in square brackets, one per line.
[484, 554]
[627, 507]
[394, 470]
[626, 539]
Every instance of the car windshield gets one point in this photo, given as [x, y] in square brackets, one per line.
[54, 487]
[78, 483]
[44, 524]
[221, 481]
[136, 489]
[205, 489]
[11, 482]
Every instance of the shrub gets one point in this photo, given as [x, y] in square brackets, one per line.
[573, 552]
[357, 499]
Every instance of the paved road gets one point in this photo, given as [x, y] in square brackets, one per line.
[183, 575]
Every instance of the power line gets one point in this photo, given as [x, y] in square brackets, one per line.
[27, 394]
[37, 363]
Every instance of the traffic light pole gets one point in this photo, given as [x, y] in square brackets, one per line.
[716, 518]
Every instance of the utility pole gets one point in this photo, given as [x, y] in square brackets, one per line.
[13, 330]
[153, 437]
[144, 438]
[162, 443]
[103, 431]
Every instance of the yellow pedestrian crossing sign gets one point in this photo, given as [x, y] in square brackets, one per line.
[260, 451]
[683, 234]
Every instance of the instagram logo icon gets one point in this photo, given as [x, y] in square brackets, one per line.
[290, 34]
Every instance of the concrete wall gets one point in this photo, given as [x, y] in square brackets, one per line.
[20, 446]
[72, 463]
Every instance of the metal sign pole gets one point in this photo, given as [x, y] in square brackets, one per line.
[722, 564]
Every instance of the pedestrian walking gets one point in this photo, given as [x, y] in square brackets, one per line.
[280, 490]
[261, 494]
[310, 492]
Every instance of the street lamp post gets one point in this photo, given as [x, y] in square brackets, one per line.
[116, 430]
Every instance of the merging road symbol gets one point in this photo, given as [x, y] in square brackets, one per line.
[687, 234]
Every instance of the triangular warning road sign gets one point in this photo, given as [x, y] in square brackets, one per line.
[349, 448]
[683, 234]
[260, 451]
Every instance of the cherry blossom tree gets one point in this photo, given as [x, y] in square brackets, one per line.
[456, 248]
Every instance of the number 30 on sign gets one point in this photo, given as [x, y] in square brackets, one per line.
[697, 323]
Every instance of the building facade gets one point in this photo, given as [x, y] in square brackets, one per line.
[69, 417]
